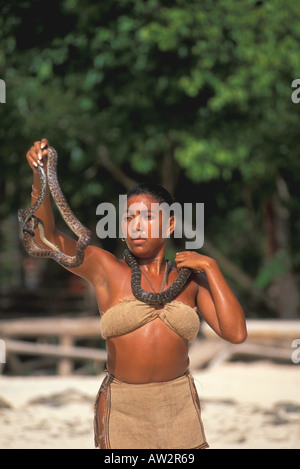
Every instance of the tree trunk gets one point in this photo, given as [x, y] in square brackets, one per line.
[169, 169]
[276, 225]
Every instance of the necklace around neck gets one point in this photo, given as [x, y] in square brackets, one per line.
[167, 269]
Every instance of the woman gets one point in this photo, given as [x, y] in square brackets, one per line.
[148, 398]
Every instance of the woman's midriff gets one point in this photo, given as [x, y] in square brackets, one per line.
[151, 353]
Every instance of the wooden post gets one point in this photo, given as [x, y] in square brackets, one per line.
[65, 365]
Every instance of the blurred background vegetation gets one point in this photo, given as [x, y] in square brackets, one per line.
[194, 95]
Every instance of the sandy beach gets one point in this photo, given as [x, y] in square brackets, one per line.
[244, 406]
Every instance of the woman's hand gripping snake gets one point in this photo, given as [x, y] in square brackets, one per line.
[29, 222]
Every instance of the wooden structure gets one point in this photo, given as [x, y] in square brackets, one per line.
[38, 332]
[267, 329]
[269, 339]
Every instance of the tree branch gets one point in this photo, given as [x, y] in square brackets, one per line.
[238, 275]
[116, 172]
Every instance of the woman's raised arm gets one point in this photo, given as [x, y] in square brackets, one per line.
[92, 266]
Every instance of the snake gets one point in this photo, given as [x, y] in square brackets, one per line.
[29, 222]
[150, 298]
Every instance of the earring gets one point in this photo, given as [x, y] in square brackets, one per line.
[122, 239]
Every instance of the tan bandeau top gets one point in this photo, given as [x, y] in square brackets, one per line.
[130, 314]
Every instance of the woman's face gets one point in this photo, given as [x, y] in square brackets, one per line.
[145, 226]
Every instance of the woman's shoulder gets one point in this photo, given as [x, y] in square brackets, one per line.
[98, 262]
[104, 259]
[199, 278]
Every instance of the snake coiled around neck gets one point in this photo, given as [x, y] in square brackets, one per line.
[156, 299]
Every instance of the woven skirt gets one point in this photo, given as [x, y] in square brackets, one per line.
[159, 415]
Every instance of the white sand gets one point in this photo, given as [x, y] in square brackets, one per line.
[253, 405]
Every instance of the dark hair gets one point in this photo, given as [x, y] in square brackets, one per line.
[158, 192]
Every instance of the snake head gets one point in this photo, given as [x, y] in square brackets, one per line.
[26, 229]
[23, 222]
[28, 226]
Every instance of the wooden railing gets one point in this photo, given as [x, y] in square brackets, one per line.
[32, 336]
[38, 331]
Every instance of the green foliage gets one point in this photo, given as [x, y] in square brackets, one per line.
[208, 82]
